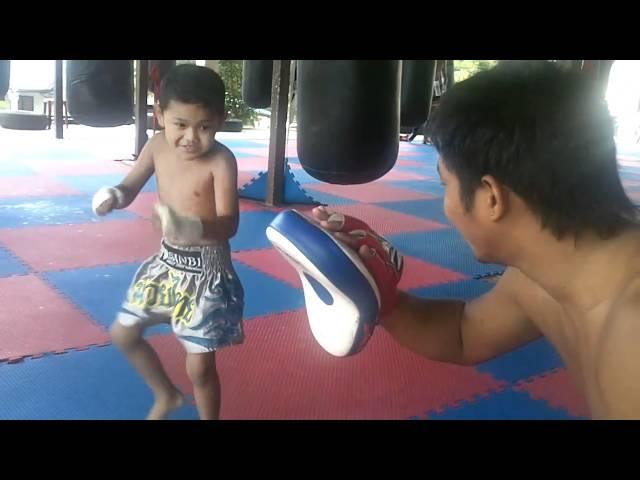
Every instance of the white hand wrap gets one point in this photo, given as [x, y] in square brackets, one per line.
[188, 229]
[107, 193]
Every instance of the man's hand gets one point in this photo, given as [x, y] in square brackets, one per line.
[383, 261]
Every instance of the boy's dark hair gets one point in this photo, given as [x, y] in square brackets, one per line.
[545, 133]
[188, 83]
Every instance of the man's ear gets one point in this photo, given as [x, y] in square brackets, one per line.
[494, 198]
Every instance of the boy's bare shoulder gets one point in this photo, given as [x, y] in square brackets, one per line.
[157, 143]
[222, 158]
[225, 153]
[155, 148]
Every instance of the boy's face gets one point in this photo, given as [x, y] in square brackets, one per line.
[189, 128]
[474, 225]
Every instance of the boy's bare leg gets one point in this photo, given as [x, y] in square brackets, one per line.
[201, 368]
[146, 362]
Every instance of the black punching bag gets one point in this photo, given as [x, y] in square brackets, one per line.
[5, 73]
[100, 92]
[348, 118]
[256, 83]
[416, 91]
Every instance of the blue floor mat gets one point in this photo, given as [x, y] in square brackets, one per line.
[428, 209]
[10, 265]
[444, 247]
[265, 295]
[422, 186]
[535, 358]
[99, 291]
[96, 384]
[12, 169]
[506, 404]
[89, 184]
[251, 231]
[59, 210]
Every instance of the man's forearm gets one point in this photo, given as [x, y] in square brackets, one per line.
[431, 328]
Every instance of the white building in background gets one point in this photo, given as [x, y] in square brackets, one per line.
[31, 85]
[29, 100]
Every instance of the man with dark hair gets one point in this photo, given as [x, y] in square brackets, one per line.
[528, 159]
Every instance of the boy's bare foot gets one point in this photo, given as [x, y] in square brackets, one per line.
[163, 406]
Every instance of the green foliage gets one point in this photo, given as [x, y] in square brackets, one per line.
[231, 73]
[464, 69]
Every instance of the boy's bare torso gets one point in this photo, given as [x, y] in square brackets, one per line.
[186, 185]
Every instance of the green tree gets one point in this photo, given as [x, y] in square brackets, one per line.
[231, 73]
[464, 69]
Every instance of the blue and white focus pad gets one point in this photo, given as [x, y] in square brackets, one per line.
[341, 296]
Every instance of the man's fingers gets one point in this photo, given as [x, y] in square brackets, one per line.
[366, 252]
[320, 213]
[350, 240]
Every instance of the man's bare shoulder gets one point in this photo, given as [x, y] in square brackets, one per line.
[622, 320]
[618, 356]
[534, 300]
[521, 287]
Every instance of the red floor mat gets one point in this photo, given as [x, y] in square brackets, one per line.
[33, 186]
[143, 204]
[78, 167]
[418, 274]
[58, 247]
[281, 373]
[36, 319]
[558, 390]
[400, 176]
[388, 222]
[270, 262]
[368, 192]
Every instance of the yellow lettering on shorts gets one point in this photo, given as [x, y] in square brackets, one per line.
[148, 294]
[183, 311]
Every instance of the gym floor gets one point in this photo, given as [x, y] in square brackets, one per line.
[64, 272]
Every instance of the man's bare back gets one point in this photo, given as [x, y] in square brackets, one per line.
[590, 320]
[527, 159]
[585, 337]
